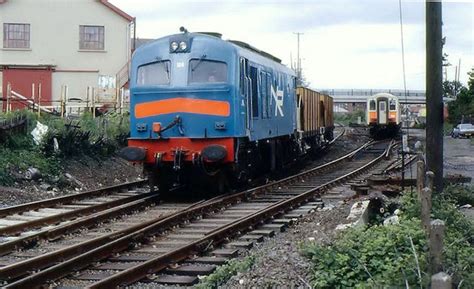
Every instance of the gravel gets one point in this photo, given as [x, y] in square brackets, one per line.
[86, 174]
[279, 262]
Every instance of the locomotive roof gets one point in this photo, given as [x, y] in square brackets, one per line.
[238, 45]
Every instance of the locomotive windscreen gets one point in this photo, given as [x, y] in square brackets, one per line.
[156, 73]
[204, 71]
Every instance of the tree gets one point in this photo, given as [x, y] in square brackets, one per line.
[462, 109]
[302, 81]
[452, 88]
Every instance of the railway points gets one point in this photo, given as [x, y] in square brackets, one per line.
[219, 219]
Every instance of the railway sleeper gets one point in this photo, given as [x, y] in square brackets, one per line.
[272, 210]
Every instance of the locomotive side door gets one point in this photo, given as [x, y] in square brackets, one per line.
[383, 112]
[245, 86]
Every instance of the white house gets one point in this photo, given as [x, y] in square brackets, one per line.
[77, 43]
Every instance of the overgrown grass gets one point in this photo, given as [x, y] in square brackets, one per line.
[347, 118]
[225, 272]
[396, 255]
[97, 138]
[447, 128]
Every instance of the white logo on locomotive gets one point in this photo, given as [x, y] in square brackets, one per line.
[278, 97]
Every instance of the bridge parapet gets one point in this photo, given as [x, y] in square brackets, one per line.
[369, 92]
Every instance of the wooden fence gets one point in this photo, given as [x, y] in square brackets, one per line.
[433, 228]
[98, 100]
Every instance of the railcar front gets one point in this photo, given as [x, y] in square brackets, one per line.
[383, 115]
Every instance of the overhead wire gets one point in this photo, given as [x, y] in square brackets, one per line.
[404, 73]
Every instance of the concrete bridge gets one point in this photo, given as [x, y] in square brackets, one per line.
[360, 95]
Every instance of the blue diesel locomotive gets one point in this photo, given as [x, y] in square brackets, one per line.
[206, 110]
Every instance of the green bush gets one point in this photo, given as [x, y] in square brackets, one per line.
[94, 137]
[225, 272]
[347, 118]
[459, 240]
[459, 194]
[14, 160]
[383, 256]
[378, 256]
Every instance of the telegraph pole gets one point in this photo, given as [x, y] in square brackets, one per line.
[298, 60]
[434, 92]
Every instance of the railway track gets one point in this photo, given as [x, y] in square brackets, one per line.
[139, 250]
[28, 223]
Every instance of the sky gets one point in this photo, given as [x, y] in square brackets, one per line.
[345, 43]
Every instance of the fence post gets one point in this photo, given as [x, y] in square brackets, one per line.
[420, 176]
[425, 201]
[9, 92]
[122, 92]
[39, 100]
[441, 280]
[93, 102]
[33, 96]
[61, 101]
[429, 179]
[436, 245]
[116, 100]
[87, 98]
[66, 92]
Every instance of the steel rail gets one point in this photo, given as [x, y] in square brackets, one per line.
[83, 222]
[123, 243]
[53, 219]
[156, 264]
[337, 137]
[39, 262]
[65, 199]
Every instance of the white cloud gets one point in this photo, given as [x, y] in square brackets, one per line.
[346, 43]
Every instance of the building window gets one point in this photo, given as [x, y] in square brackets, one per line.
[16, 35]
[91, 37]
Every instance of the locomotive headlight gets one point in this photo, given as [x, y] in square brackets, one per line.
[174, 46]
[183, 45]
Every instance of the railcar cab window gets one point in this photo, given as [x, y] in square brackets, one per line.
[207, 71]
[393, 104]
[156, 73]
[372, 105]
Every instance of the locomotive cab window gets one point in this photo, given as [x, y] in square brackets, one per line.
[156, 73]
[207, 71]
[242, 76]
[372, 105]
[393, 104]
[264, 93]
[254, 90]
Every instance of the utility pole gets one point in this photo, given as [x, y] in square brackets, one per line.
[434, 92]
[298, 59]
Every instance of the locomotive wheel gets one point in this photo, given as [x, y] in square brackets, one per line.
[220, 183]
[157, 181]
[152, 180]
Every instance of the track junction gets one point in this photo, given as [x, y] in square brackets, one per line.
[121, 235]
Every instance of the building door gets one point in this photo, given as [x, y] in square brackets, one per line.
[21, 80]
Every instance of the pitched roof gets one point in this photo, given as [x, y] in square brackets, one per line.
[115, 9]
[108, 5]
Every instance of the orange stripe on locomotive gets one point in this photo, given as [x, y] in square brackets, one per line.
[182, 105]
